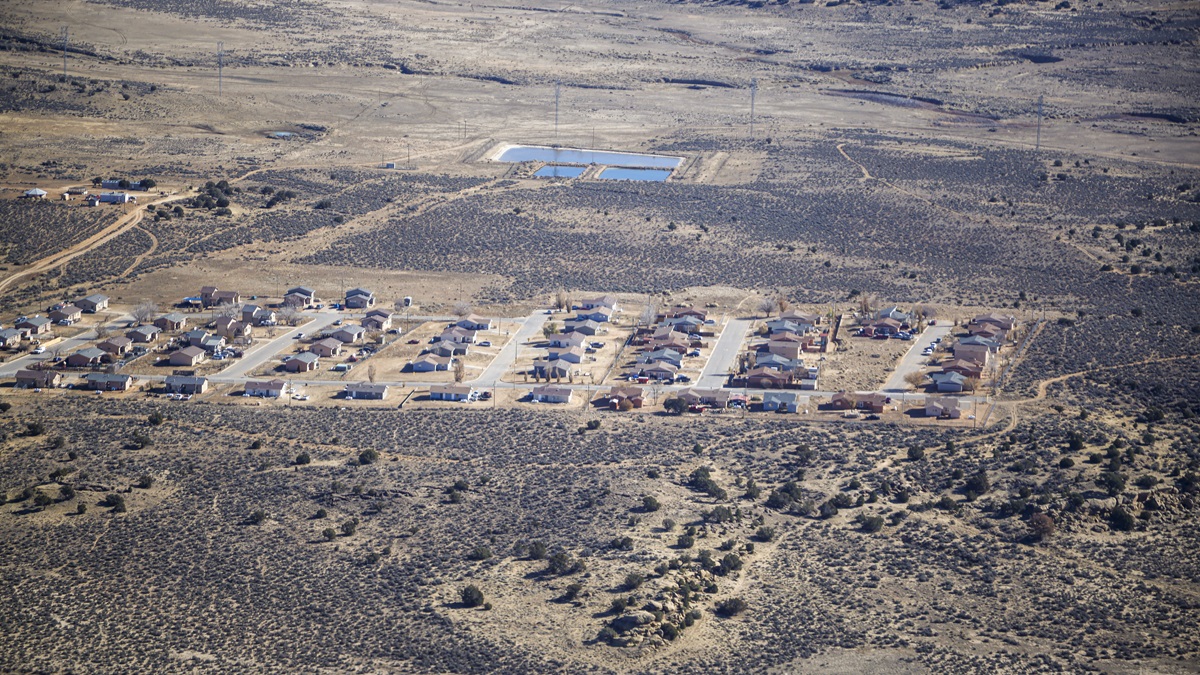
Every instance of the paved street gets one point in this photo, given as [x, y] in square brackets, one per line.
[913, 359]
[63, 347]
[267, 351]
[724, 354]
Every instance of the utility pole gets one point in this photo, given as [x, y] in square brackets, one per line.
[753, 95]
[1038, 144]
[64, 34]
[557, 93]
[220, 65]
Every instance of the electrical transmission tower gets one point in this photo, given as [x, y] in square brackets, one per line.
[220, 65]
[753, 95]
[63, 33]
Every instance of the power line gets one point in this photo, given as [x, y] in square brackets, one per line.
[1038, 144]
[557, 92]
[63, 33]
[753, 95]
[220, 65]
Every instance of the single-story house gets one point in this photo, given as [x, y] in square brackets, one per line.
[302, 363]
[963, 367]
[678, 312]
[457, 334]
[785, 326]
[66, 313]
[948, 382]
[944, 407]
[38, 379]
[551, 394]
[716, 398]
[786, 349]
[661, 370]
[450, 392]
[86, 358]
[802, 318]
[143, 334]
[607, 301]
[328, 347]
[768, 378]
[116, 346]
[780, 363]
[366, 390]
[583, 326]
[35, 325]
[266, 388]
[547, 369]
[109, 382]
[10, 337]
[213, 343]
[895, 314]
[230, 328]
[885, 327]
[663, 356]
[350, 333]
[681, 346]
[359, 298]
[430, 363]
[567, 340]
[186, 384]
[93, 303]
[196, 337]
[571, 354]
[300, 296]
[688, 324]
[1001, 322]
[258, 316]
[852, 401]
[449, 348]
[776, 401]
[618, 395]
[188, 356]
[474, 322]
[597, 314]
[171, 322]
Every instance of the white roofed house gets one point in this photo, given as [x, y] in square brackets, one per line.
[450, 392]
[266, 388]
[431, 363]
[366, 390]
[602, 301]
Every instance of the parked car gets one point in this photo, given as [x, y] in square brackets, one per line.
[694, 352]
[299, 336]
[338, 322]
[414, 342]
[597, 345]
[682, 378]
[39, 350]
[485, 343]
[872, 416]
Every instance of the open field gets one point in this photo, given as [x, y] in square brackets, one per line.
[896, 157]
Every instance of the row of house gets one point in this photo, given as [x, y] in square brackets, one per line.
[974, 354]
[49, 379]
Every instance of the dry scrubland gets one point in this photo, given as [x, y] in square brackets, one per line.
[893, 157]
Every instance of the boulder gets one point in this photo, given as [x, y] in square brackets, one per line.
[629, 621]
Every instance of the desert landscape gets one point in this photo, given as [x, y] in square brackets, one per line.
[619, 337]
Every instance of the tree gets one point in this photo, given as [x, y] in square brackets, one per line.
[675, 405]
[480, 553]
[368, 456]
[471, 596]
[258, 517]
[145, 481]
[731, 607]
[1112, 482]
[329, 533]
[350, 527]
[549, 330]
[537, 551]
[768, 305]
[303, 458]
[461, 309]
[870, 523]
[562, 300]
[916, 453]
[42, 500]
[633, 581]
[1041, 526]
[1121, 519]
[460, 370]
[765, 533]
[144, 312]
[978, 484]
[114, 501]
[915, 380]
[971, 383]
[650, 504]
[81, 508]
[289, 315]
[649, 313]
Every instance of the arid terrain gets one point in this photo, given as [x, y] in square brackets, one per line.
[1036, 159]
